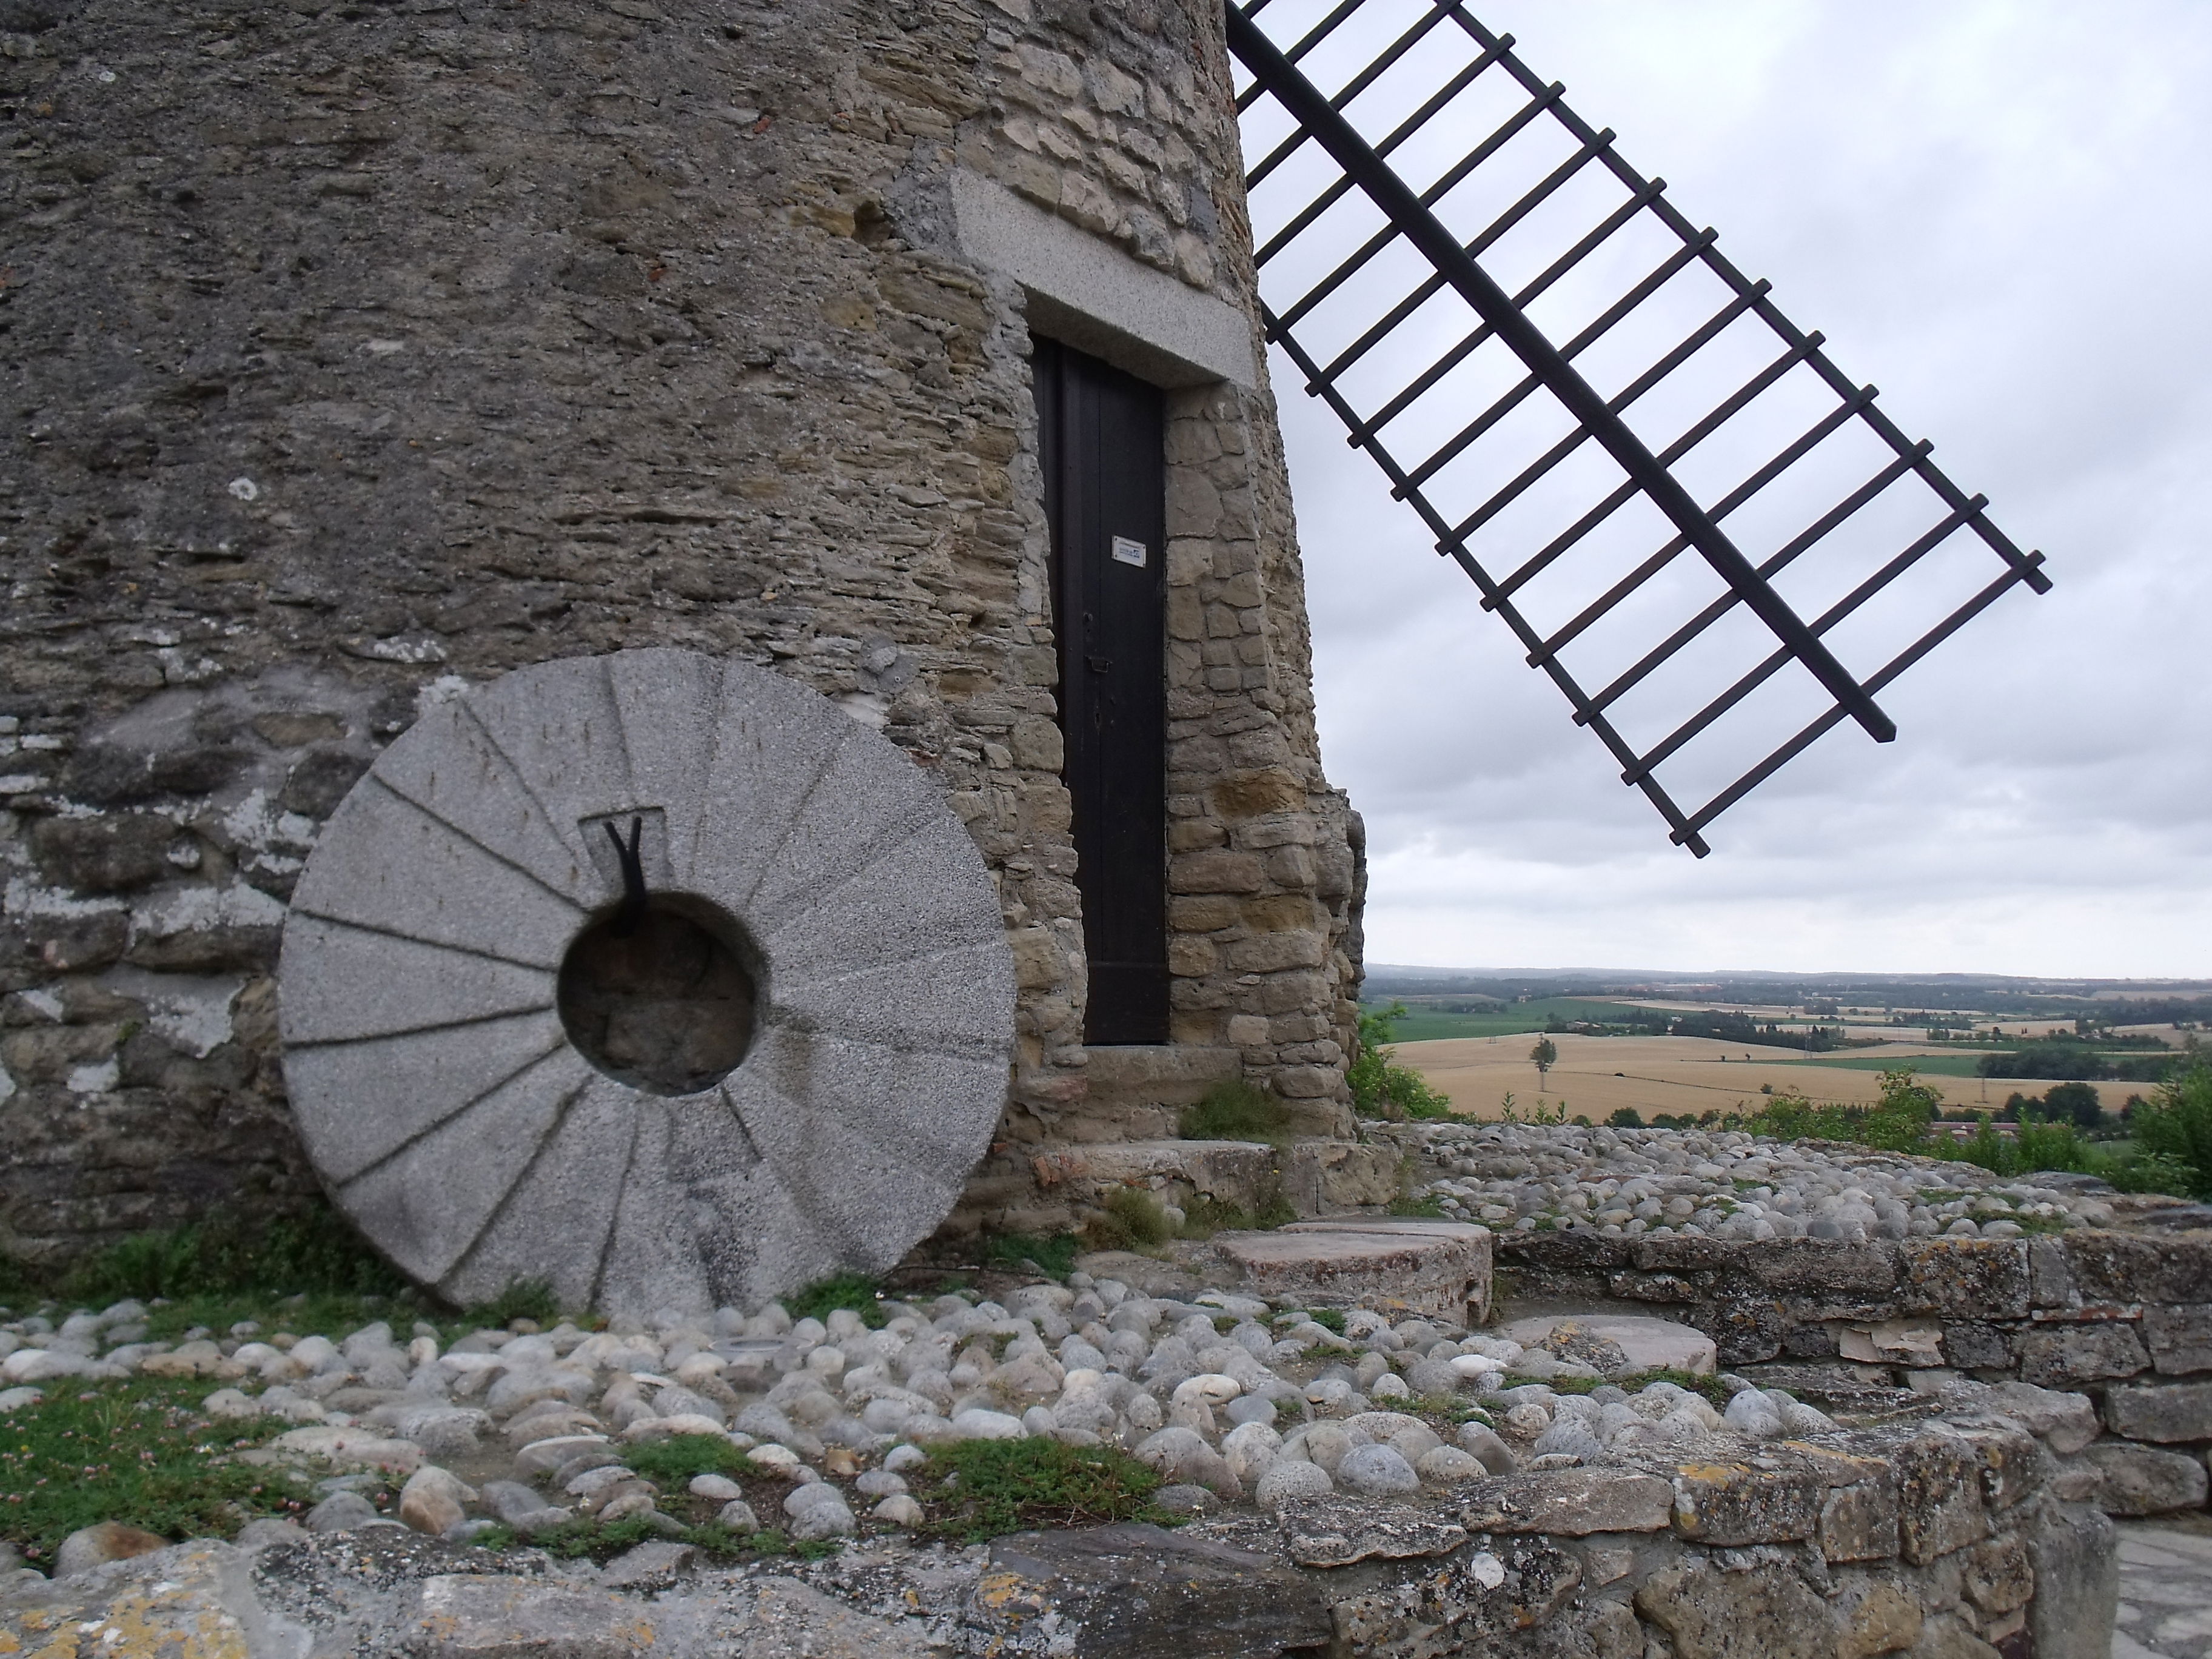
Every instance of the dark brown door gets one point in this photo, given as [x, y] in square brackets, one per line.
[1102, 438]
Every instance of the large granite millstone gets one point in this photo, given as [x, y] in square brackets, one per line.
[784, 1068]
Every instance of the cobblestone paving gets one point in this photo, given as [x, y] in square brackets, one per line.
[2166, 1593]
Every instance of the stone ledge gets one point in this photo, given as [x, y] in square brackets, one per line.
[1085, 290]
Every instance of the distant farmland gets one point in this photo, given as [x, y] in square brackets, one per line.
[1508, 1019]
[1594, 1075]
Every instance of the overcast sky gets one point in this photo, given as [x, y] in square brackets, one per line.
[2001, 215]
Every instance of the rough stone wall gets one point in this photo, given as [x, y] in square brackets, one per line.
[2117, 1321]
[1933, 1539]
[358, 355]
[1929, 1540]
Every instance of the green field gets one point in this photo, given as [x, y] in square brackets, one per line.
[1424, 1026]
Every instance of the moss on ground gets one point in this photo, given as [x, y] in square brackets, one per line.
[677, 1458]
[974, 1490]
[139, 1452]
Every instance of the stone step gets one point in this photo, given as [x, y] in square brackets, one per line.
[1437, 1268]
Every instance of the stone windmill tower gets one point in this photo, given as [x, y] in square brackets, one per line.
[588, 524]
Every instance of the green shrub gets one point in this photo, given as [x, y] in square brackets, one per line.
[2175, 1125]
[855, 1291]
[1237, 1111]
[1626, 1117]
[2151, 1172]
[1898, 1122]
[1382, 1088]
[975, 1489]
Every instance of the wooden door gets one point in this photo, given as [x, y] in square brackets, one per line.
[1102, 437]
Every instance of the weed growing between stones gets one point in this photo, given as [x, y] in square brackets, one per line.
[1206, 1215]
[1237, 1111]
[856, 1292]
[139, 1452]
[1410, 1202]
[974, 1490]
[523, 1298]
[1129, 1218]
[1430, 1209]
[1329, 1319]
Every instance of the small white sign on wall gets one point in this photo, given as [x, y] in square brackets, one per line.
[1128, 552]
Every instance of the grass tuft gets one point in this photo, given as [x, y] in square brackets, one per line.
[1237, 1111]
[975, 1489]
[1054, 1257]
[1129, 1218]
[523, 1298]
[314, 1249]
[680, 1457]
[1206, 1215]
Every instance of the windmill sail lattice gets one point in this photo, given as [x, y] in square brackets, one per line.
[1385, 242]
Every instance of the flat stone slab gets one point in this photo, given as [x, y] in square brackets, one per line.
[1439, 1268]
[1646, 1345]
[431, 1049]
[1134, 1592]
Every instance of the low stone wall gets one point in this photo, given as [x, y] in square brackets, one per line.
[2119, 1317]
[1942, 1537]
[1942, 1540]
[1939, 1537]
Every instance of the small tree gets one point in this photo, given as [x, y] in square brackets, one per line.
[1544, 1053]
[2075, 1104]
[2176, 1123]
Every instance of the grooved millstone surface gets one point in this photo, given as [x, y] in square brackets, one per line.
[447, 1110]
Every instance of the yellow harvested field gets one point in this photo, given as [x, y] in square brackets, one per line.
[1595, 1076]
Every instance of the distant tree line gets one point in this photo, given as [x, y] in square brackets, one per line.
[1723, 1027]
[2072, 1059]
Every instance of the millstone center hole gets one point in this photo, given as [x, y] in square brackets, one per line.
[668, 1007]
